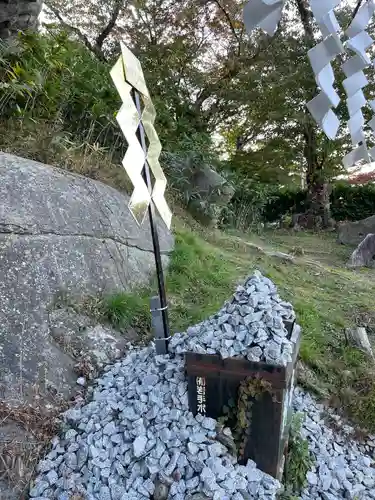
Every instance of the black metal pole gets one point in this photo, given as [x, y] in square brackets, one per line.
[154, 231]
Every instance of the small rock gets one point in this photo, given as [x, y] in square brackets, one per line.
[70, 434]
[71, 460]
[198, 438]
[358, 337]
[81, 381]
[110, 429]
[312, 478]
[52, 477]
[139, 446]
[161, 491]
[192, 448]
[39, 489]
[104, 493]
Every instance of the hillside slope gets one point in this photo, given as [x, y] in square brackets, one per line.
[327, 298]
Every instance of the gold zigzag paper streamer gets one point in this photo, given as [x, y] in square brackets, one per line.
[127, 75]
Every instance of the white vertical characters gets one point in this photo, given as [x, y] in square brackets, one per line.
[201, 395]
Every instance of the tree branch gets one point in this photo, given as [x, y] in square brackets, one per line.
[307, 22]
[148, 27]
[111, 24]
[231, 25]
[359, 3]
[231, 72]
[93, 48]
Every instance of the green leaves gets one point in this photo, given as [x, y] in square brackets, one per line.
[237, 415]
[298, 460]
[54, 78]
[222, 97]
[348, 202]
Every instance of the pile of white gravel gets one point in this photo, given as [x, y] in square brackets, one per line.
[137, 440]
[344, 467]
[250, 325]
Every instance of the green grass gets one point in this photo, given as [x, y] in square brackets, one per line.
[198, 281]
[125, 310]
[298, 461]
[327, 298]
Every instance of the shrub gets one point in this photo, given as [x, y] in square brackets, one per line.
[55, 79]
[125, 310]
[58, 101]
[186, 158]
[248, 205]
[298, 461]
[353, 202]
[348, 202]
[283, 203]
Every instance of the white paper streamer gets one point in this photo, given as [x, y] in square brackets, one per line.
[353, 65]
[356, 102]
[358, 154]
[359, 44]
[355, 124]
[321, 57]
[323, 8]
[355, 83]
[359, 41]
[266, 14]
[328, 24]
[325, 81]
[361, 20]
[371, 123]
[320, 109]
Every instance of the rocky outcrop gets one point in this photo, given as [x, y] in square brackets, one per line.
[364, 254]
[205, 192]
[82, 338]
[209, 193]
[18, 15]
[352, 233]
[59, 234]
[357, 337]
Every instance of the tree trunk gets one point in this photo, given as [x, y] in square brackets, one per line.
[318, 191]
[318, 212]
[18, 15]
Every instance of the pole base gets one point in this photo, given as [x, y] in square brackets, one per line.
[161, 341]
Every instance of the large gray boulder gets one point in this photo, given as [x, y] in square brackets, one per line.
[205, 192]
[364, 254]
[18, 15]
[209, 193]
[59, 232]
[352, 233]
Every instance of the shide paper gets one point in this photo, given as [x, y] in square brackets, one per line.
[266, 15]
